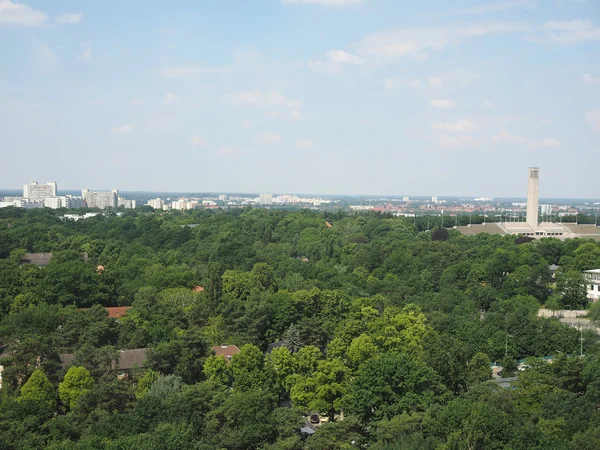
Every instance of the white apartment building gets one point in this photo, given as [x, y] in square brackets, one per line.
[593, 288]
[102, 200]
[127, 204]
[156, 203]
[265, 199]
[34, 190]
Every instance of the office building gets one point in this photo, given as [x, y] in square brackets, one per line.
[593, 289]
[101, 200]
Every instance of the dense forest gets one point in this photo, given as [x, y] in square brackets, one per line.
[387, 332]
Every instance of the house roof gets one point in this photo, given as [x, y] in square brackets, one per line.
[117, 311]
[128, 359]
[226, 351]
[39, 259]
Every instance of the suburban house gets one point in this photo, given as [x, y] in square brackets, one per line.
[37, 259]
[114, 312]
[127, 361]
[226, 351]
[593, 289]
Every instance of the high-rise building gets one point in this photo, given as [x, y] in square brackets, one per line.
[156, 203]
[102, 200]
[38, 191]
[265, 199]
[127, 204]
[533, 188]
[434, 200]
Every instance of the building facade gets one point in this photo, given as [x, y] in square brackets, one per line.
[102, 200]
[36, 191]
[593, 288]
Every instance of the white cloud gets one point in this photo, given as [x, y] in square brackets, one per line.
[457, 142]
[273, 114]
[305, 143]
[500, 6]
[198, 141]
[226, 150]
[487, 104]
[589, 78]
[324, 2]
[435, 81]
[85, 54]
[296, 115]
[185, 71]
[246, 123]
[170, 99]
[258, 98]
[397, 83]
[546, 143]
[123, 129]
[442, 103]
[72, 18]
[342, 57]
[460, 126]
[416, 43]
[567, 32]
[593, 118]
[269, 138]
[14, 13]
[504, 136]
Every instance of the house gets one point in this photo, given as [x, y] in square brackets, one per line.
[127, 360]
[553, 268]
[115, 312]
[37, 259]
[593, 289]
[226, 351]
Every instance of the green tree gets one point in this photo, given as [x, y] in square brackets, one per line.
[76, 383]
[479, 369]
[38, 389]
[292, 339]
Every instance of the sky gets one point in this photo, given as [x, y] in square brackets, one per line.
[352, 97]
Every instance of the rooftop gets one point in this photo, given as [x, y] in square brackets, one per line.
[226, 351]
[39, 259]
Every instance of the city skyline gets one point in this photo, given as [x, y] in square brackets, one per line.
[378, 98]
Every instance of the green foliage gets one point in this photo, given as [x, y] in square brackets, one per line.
[76, 383]
[389, 333]
[39, 390]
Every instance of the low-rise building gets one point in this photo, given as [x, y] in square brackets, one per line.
[593, 288]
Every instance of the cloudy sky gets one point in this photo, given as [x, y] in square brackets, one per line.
[302, 96]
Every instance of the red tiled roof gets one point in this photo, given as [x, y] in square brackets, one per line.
[226, 351]
[117, 311]
[198, 289]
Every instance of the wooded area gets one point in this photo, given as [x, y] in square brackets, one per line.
[388, 333]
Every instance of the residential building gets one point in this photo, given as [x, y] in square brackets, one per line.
[34, 190]
[593, 288]
[226, 351]
[37, 259]
[102, 200]
[127, 204]
[434, 200]
[156, 203]
[265, 199]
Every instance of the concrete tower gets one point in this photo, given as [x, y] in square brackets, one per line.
[533, 190]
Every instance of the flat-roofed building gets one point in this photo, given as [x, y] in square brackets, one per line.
[593, 288]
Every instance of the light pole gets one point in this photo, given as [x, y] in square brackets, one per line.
[580, 341]
[506, 344]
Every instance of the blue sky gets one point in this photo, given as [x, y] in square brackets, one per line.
[302, 96]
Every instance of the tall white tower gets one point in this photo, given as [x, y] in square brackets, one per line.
[533, 191]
